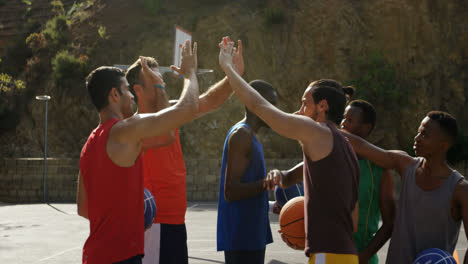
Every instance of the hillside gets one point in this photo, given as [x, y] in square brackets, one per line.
[407, 57]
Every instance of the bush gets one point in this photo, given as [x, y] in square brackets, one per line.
[68, 69]
[36, 42]
[56, 32]
[376, 81]
[153, 6]
[274, 16]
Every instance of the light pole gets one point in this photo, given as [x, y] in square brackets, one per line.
[45, 98]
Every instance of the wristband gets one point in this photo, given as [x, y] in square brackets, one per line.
[159, 86]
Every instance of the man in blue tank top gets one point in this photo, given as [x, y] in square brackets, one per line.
[434, 197]
[243, 229]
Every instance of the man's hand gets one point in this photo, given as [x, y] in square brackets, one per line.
[151, 76]
[189, 61]
[269, 182]
[276, 176]
[291, 245]
[238, 59]
[226, 53]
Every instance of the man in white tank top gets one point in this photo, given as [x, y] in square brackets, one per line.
[434, 197]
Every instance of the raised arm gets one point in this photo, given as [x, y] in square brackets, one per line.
[387, 159]
[217, 94]
[305, 128]
[134, 129]
[162, 102]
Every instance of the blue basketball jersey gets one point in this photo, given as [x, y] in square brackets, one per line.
[244, 224]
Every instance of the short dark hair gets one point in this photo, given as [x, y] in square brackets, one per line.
[335, 94]
[100, 82]
[447, 123]
[133, 73]
[262, 87]
[369, 115]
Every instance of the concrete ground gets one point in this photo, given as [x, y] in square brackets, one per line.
[39, 233]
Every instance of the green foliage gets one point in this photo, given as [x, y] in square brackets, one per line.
[153, 6]
[57, 7]
[377, 81]
[36, 41]
[102, 32]
[27, 2]
[459, 151]
[68, 69]
[56, 32]
[7, 83]
[274, 16]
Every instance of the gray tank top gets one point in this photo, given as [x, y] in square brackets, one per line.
[423, 219]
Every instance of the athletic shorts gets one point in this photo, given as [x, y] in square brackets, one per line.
[166, 244]
[329, 258]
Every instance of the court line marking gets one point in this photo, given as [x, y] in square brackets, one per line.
[58, 254]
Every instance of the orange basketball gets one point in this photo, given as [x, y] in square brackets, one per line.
[291, 221]
[455, 256]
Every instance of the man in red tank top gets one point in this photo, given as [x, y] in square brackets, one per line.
[331, 169]
[163, 164]
[110, 181]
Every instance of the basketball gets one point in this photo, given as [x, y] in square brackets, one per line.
[434, 255]
[291, 221]
[455, 256]
[150, 209]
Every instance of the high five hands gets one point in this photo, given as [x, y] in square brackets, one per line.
[189, 61]
[230, 55]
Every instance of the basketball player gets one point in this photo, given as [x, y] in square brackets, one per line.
[434, 197]
[376, 195]
[110, 188]
[331, 169]
[164, 167]
[243, 229]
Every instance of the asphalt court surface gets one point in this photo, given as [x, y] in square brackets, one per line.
[50, 234]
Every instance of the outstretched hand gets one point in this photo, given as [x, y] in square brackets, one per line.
[226, 53]
[189, 61]
[238, 59]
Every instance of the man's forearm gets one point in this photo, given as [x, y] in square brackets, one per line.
[377, 242]
[292, 176]
[162, 100]
[215, 96]
[239, 191]
[190, 93]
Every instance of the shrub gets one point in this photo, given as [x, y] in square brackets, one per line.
[274, 16]
[68, 69]
[376, 81]
[56, 32]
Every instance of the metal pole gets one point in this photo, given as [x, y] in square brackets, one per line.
[45, 152]
[45, 98]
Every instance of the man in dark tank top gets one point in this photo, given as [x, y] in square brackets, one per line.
[434, 197]
[331, 170]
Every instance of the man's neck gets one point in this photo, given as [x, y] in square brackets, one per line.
[254, 123]
[108, 113]
[144, 108]
[436, 166]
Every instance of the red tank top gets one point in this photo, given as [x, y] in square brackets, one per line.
[115, 202]
[165, 176]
